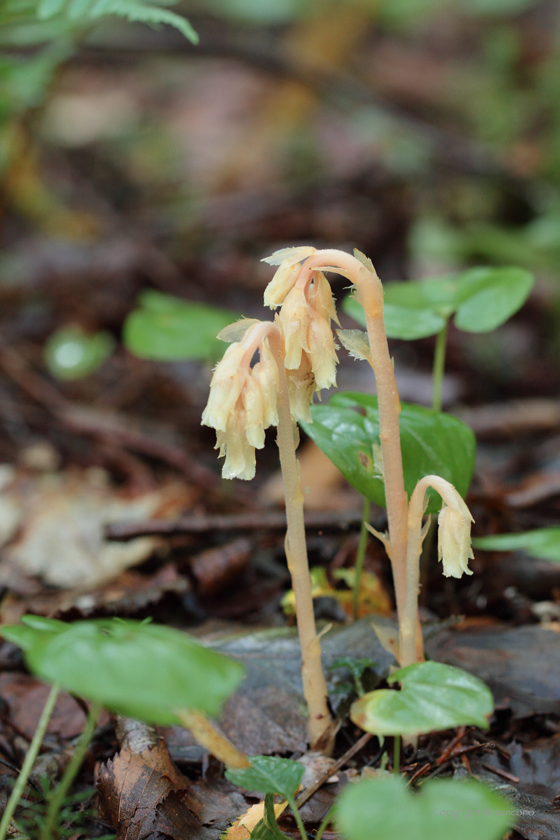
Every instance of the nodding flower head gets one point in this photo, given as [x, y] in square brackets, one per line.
[305, 319]
[242, 401]
[454, 537]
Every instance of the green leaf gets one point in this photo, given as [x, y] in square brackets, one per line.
[167, 328]
[267, 828]
[542, 543]
[410, 324]
[443, 809]
[84, 11]
[490, 296]
[70, 353]
[433, 696]
[269, 774]
[481, 298]
[402, 322]
[496, 7]
[140, 670]
[347, 429]
[48, 8]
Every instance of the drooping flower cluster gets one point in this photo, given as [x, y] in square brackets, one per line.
[243, 399]
[307, 308]
[454, 537]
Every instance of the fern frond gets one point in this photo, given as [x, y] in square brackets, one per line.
[138, 11]
[133, 10]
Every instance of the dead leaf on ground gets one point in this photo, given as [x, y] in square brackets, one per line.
[267, 714]
[26, 698]
[142, 795]
[244, 825]
[521, 665]
[216, 568]
[128, 594]
[536, 765]
[62, 518]
[536, 817]
[216, 802]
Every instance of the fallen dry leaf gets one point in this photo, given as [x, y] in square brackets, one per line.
[142, 796]
[216, 568]
[243, 827]
[26, 698]
[62, 519]
[521, 665]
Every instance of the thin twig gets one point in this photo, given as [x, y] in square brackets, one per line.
[266, 520]
[509, 777]
[355, 748]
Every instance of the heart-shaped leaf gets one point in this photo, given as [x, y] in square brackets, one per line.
[269, 774]
[433, 696]
[542, 543]
[480, 298]
[487, 297]
[433, 443]
[145, 671]
[167, 328]
[443, 809]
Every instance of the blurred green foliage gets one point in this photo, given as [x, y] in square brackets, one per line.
[71, 353]
[167, 328]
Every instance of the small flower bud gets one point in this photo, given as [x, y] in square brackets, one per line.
[243, 401]
[294, 320]
[301, 387]
[281, 284]
[265, 372]
[454, 537]
[320, 297]
[321, 351]
[240, 454]
[225, 388]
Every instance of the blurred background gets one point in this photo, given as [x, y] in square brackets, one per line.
[426, 133]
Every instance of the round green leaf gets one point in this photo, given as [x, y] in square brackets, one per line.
[433, 696]
[542, 543]
[482, 298]
[166, 328]
[490, 296]
[443, 809]
[347, 430]
[410, 324]
[402, 322]
[70, 353]
[145, 671]
[269, 774]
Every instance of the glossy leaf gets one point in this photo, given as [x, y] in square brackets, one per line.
[542, 543]
[443, 809]
[489, 296]
[347, 429]
[480, 298]
[433, 696]
[400, 321]
[71, 353]
[269, 774]
[141, 670]
[167, 328]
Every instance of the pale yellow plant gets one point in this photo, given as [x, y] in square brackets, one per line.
[297, 359]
